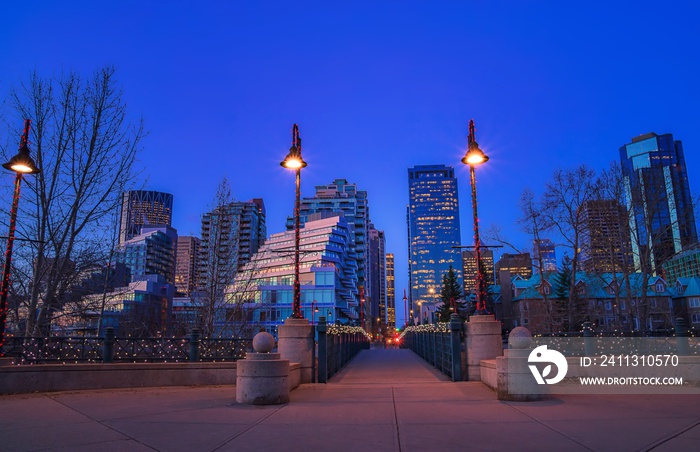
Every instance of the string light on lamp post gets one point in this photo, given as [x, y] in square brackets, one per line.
[295, 162]
[473, 158]
[21, 164]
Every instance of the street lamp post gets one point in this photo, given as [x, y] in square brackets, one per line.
[474, 157]
[22, 163]
[295, 162]
[362, 308]
[314, 309]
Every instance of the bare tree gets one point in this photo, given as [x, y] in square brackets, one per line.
[535, 222]
[86, 146]
[565, 194]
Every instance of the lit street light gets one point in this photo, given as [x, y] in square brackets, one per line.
[295, 162]
[474, 157]
[314, 309]
[21, 163]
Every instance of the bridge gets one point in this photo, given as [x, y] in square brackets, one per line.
[384, 400]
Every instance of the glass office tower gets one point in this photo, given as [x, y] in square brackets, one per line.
[662, 221]
[433, 231]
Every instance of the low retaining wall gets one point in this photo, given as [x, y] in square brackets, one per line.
[75, 377]
[489, 374]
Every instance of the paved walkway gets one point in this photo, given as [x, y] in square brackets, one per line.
[385, 400]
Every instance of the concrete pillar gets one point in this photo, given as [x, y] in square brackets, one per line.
[262, 378]
[483, 336]
[514, 378]
[296, 344]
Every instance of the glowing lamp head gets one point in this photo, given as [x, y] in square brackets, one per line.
[475, 156]
[293, 160]
[22, 162]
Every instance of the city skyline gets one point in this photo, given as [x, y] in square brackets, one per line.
[375, 89]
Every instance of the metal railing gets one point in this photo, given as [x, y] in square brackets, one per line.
[439, 344]
[337, 345]
[108, 349]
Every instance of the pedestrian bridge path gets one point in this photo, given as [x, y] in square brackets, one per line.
[384, 400]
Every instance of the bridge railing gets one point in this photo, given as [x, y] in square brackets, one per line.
[337, 345]
[439, 344]
[108, 349]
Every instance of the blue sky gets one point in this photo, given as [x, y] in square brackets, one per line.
[376, 87]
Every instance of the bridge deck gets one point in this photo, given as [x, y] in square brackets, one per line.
[385, 400]
[387, 366]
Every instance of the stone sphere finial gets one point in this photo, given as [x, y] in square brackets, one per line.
[519, 337]
[263, 342]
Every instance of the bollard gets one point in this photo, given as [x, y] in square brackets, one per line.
[194, 345]
[588, 339]
[322, 328]
[682, 336]
[455, 344]
[108, 345]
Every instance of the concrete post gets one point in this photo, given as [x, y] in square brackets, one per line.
[296, 344]
[483, 342]
[262, 378]
[514, 379]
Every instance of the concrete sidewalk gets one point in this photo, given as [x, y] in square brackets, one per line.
[385, 400]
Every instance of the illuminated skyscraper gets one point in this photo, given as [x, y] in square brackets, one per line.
[390, 293]
[144, 208]
[658, 199]
[376, 300]
[186, 265]
[543, 249]
[605, 239]
[469, 269]
[231, 235]
[433, 231]
[341, 196]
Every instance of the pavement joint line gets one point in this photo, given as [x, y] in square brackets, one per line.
[396, 419]
[672, 436]
[547, 426]
[256, 423]
[101, 423]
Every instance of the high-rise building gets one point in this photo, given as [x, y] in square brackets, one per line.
[186, 265]
[470, 270]
[605, 241]
[144, 208]
[658, 199]
[231, 234]
[147, 301]
[516, 264]
[375, 302]
[390, 294]
[328, 276]
[433, 231]
[343, 197]
[545, 251]
[150, 253]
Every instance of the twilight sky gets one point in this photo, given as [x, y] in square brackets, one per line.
[376, 87]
